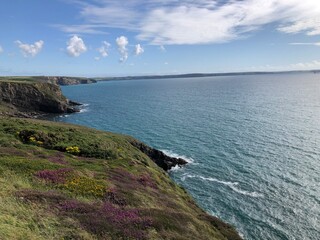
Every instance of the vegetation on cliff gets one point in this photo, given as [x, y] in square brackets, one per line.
[60, 181]
[57, 80]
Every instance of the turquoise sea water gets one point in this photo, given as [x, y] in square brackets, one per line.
[253, 142]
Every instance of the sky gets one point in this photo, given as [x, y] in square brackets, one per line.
[101, 38]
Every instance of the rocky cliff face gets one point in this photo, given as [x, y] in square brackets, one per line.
[36, 97]
[68, 80]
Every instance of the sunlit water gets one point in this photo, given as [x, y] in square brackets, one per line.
[253, 142]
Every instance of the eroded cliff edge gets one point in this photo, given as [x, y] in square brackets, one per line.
[33, 98]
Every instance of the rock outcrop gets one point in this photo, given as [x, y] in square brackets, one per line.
[162, 160]
[35, 97]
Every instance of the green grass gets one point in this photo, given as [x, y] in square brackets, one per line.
[18, 79]
[47, 192]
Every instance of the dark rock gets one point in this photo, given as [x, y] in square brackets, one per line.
[72, 103]
[34, 98]
[161, 159]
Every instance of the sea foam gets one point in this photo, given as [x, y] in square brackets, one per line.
[231, 185]
[175, 155]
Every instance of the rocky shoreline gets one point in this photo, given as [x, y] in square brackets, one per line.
[162, 160]
[37, 99]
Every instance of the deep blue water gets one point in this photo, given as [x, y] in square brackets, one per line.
[254, 142]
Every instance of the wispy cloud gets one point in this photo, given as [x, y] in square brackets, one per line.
[103, 50]
[309, 24]
[306, 65]
[1, 49]
[76, 46]
[311, 65]
[306, 43]
[85, 28]
[199, 22]
[122, 43]
[30, 50]
[138, 50]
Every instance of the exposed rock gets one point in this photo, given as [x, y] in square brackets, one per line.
[67, 80]
[35, 97]
[161, 159]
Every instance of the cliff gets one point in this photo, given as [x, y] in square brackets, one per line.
[68, 80]
[30, 98]
[61, 181]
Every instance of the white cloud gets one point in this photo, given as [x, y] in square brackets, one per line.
[312, 65]
[122, 43]
[306, 65]
[138, 50]
[76, 46]
[103, 50]
[306, 43]
[85, 28]
[201, 22]
[30, 50]
[1, 49]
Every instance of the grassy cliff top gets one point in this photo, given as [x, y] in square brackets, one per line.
[18, 79]
[60, 80]
[61, 181]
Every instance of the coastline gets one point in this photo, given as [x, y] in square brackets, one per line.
[46, 142]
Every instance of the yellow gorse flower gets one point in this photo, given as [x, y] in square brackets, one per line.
[73, 149]
[32, 139]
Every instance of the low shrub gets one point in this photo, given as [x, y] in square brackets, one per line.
[108, 219]
[73, 150]
[85, 186]
[58, 176]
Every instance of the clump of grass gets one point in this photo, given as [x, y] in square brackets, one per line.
[114, 197]
[25, 165]
[127, 179]
[58, 158]
[146, 181]
[36, 196]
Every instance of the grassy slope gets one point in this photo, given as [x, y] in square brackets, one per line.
[106, 190]
[18, 79]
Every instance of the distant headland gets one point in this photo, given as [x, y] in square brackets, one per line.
[199, 75]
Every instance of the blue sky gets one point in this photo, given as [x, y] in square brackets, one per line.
[134, 37]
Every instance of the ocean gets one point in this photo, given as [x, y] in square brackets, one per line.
[252, 142]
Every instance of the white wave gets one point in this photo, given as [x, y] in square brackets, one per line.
[231, 185]
[172, 154]
[84, 108]
[175, 168]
